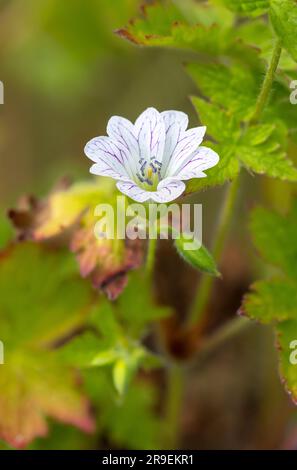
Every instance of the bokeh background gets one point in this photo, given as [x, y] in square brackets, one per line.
[65, 73]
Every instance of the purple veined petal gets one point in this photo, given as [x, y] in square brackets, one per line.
[149, 129]
[176, 122]
[99, 169]
[188, 142]
[175, 117]
[168, 190]
[110, 158]
[121, 130]
[194, 166]
[132, 190]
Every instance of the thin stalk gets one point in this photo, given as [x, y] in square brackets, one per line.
[267, 84]
[218, 338]
[150, 256]
[207, 281]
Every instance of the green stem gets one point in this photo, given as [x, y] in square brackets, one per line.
[204, 291]
[218, 338]
[207, 281]
[150, 256]
[173, 406]
[267, 84]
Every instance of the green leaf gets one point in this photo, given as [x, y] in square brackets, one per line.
[275, 300]
[258, 134]
[258, 34]
[287, 345]
[261, 148]
[270, 301]
[275, 238]
[206, 13]
[121, 375]
[283, 15]
[221, 125]
[87, 350]
[226, 170]
[33, 386]
[41, 287]
[165, 25]
[262, 151]
[234, 88]
[226, 130]
[255, 7]
[129, 421]
[260, 162]
[43, 300]
[64, 437]
[197, 256]
[111, 345]
[122, 354]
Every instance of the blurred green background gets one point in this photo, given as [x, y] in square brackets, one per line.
[65, 73]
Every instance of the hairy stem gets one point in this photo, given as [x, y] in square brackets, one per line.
[267, 84]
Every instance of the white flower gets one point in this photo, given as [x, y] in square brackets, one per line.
[149, 159]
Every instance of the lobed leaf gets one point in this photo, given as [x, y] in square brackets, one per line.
[275, 300]
[43, 297]
[283, 15]
[131, 421]
[287, 345]
[166, 25]
[43, 300]
[275, 238]
[260, 148]
[271, 301]
[114, 337]
[255, 7]
[34, 386]
[233, 88]
[226, 170]
[66, 217]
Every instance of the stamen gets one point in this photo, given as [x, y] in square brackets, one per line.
[149, 172]
[141, 179]
[142, 168]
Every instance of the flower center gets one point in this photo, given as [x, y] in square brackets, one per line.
[149, 173]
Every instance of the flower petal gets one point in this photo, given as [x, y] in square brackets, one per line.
[175, 118]
[149, 130]
[194, 166]
[176, 122]
[111, 158]
[168, 190]
[132, 190]
[188, 142]
[122, 131]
